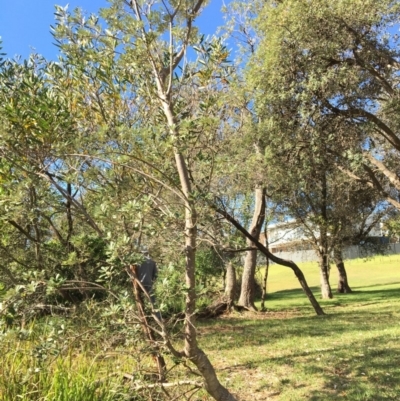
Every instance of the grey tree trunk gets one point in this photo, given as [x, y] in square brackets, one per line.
[191, 349]
[246, 298]
[324, 267]
[230, 284]
[265, 278]
[343, 285]
[326, 291]
[264, 286]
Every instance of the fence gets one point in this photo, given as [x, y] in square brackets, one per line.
[351, 252]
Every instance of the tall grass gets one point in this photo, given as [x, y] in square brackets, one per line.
[53, 361]
[25, 377]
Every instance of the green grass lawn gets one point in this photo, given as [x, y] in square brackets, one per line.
[288, 353]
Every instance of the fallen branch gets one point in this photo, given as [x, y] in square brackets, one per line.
[137, 386]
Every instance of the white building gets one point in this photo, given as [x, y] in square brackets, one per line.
[288, 240]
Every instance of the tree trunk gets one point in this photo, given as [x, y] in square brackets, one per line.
[288, 263]
[36, 228]
[326, 291]
[343, 285]
[265, 278]
[324, 267]
[191, 349]
[230, 284]
[264, 286]
[246, 298]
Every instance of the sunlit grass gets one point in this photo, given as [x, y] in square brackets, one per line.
[23, 378]
[42, 362]
[288, 353]
[361, 273]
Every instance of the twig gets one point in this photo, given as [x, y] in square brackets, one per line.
[165, 385]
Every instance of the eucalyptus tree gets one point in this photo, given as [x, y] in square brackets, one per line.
[240, 17]
[132, 135]
[243, 170]
[308, 189]
[340, 59]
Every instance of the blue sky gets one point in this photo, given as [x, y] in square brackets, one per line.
[25, 24]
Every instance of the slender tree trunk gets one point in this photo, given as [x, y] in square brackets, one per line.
[69, 217]
[343, 285]
[36, 229]
[265, 278]
[324, 267]
[264, 285]
[230, 284]
[246, 298]
[191, 349]
[326, 291]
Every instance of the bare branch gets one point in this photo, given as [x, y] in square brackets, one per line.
[73, 201]
[20, 229]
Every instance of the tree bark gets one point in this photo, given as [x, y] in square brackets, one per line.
[191, 349]
[266, 271]
[230, 285]
[288, 263]
[343, 285]
[246, 298]
[264, 285]
[326, 291]
[36, 228]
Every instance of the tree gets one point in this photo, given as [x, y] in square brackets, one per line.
[339, 60]
[121, 135]
[159, 83]
[307, 79]
[247, 291]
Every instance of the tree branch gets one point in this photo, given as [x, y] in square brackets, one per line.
[384, 130]
[392, 177]
[374, 183]
[288, 263]
[20, 229]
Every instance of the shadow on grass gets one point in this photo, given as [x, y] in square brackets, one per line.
[269, 327]
[356, 296]
[372, 376]
[349, 353]
[362, 369]
[231, 333]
